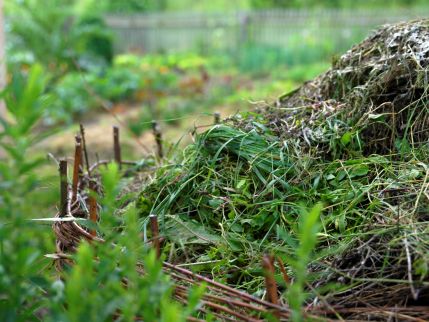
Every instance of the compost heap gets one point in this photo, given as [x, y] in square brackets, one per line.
[355, 139]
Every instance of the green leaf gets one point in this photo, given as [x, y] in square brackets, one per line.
[284, 235]
[403, 146]
[376, 116]
[215, 203]
[329, 177]
[409, 174]
[359, 170]
[241, 184]
[346, 138]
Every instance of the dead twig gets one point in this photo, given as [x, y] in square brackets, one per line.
[76, 168]
[158, 138]
[155, 234]
[63, 188]
[116, 146]
[85, 152]
[93, 216]
[270, 282]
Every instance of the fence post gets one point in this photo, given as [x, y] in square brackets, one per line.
[244, 28]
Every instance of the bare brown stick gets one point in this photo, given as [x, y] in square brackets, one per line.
[224, 288]
[220, 317]
[283, 270]
[158, 138]
[85, 152]
[226, 300]
[76, 167]
[270, 283]
[63, 187]
[227, 310]
[92, 206]
[192, 319]
[155, 234]
[216, 117]
[116, 146]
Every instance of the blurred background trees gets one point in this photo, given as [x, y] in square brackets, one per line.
[82, 43]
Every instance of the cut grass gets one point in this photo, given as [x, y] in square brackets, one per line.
[239, 194]
[242, 189]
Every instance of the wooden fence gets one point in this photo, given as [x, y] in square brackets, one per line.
[205, 32]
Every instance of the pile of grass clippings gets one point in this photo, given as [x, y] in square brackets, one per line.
[378, 89]
[356, 139]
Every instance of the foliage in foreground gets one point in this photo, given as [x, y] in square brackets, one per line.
[106, 274]
[89, 289]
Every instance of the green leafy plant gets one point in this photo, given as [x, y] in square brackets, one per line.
[308, 231]
[21, 243]
[55, 36]
[107, 278]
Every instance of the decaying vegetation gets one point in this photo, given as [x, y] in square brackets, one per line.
[354, 139]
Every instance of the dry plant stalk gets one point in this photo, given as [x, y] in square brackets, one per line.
[158, 138]
[93, 216]
[270, 282]
[116, 146]
[76, 168]
[216, 117]
[155, 234]
[85, 152]
[283, 270]
[63, 188]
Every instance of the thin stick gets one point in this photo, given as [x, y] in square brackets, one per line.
[283, 270]
[227, 310]
[224, 288]
[116, 146]
[270, 283]
[76, 167]
[85, 152]
[228, 300]
[92, 206]
[410, 274]
[216, 117]
[155, 234]
[63, 187]
[158, 138]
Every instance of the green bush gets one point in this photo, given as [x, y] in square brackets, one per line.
[71, 98]
[78, 92]
[116, 83]
[91, 289]
[21, 242]
[56, 36]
